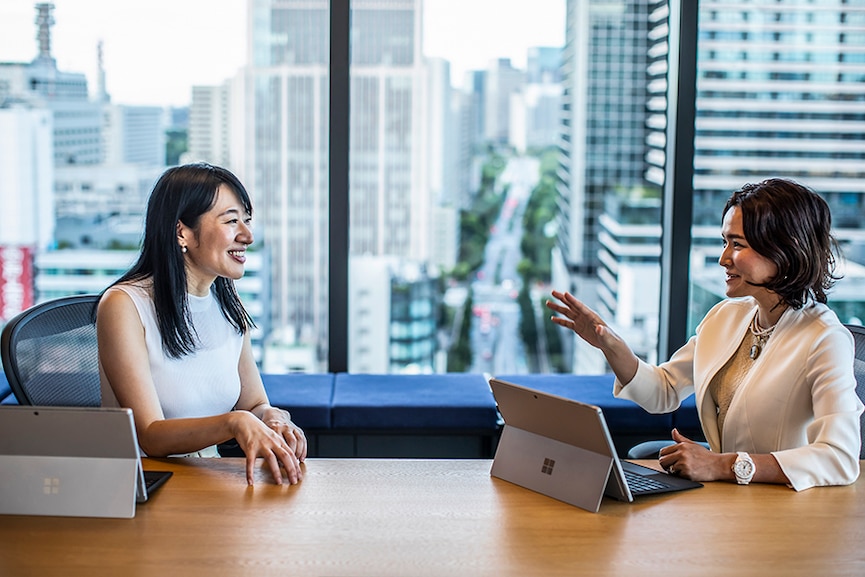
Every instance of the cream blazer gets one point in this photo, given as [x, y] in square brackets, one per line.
[798, 402]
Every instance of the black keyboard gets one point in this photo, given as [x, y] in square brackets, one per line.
[640, 484]
[152, 481]
[153, 477]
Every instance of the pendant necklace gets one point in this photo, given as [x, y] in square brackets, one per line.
[761, 335]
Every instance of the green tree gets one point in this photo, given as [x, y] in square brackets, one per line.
[460, 356]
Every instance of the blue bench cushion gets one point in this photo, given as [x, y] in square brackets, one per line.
[622, 416]
[306, 396]
[451, 401]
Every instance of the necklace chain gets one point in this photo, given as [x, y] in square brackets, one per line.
[760, 335]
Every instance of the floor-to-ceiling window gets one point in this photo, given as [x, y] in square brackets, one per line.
[485, 152]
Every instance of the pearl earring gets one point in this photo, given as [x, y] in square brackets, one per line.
[183, 249]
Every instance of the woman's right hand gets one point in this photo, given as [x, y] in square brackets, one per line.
[579, 318]
[591, 328]
[258, 440]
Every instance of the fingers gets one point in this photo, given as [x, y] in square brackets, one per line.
[555, 307]
[250, 469]
[668, 461]
[301, 447]
[568, 316]
[568, 302]
[572, 308]
[283, 454]
[294, 438]
[292, 467]
[686, 458]
[276, 461]
[273, 465]
[680, 438]
[281, 447]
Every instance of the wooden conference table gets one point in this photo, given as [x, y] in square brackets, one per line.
[439, 518]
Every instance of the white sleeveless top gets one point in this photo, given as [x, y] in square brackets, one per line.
[201, 384]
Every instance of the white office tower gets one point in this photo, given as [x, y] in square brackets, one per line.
[210, 125]
[392, 316]
[536, 116]
[442, 164]
[502, 80]
[536, 110]
[26, 178]
[133, 134]
[288, 164]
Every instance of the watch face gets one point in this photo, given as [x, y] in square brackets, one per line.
[743, 469]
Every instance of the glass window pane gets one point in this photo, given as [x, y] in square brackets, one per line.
[287, 124]
[453, 126]
[780, 94]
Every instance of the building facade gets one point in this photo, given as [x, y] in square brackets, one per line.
[288, 165]
[780, 92]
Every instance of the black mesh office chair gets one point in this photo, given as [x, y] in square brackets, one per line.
[649, 449]
[49, 353]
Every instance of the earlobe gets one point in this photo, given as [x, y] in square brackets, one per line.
[181, 241]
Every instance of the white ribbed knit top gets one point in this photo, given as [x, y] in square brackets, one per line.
[200, 384]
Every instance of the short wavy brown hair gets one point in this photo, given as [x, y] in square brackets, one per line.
[790, 224]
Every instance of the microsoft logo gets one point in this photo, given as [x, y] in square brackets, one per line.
[547, 467]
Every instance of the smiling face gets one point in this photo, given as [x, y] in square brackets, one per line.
[217, 246]
[745, 266]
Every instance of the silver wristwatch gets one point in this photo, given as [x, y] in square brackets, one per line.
[743, 468]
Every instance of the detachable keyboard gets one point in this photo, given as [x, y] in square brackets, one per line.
[640, 484]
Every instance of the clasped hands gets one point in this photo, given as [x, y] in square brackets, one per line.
[276, 439]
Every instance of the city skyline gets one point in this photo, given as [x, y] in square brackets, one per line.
[211, 49]
[757, 115]
[162, 74]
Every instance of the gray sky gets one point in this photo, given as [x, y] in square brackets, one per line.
[155, 50]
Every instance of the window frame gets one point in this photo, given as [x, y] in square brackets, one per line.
[677, 206]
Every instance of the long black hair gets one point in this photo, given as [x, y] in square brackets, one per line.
[790, 224]
[183, 194]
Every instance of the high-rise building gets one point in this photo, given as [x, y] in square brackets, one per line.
[75, 175]
[39, 84]
[26, 178]
[502, 81]
[536, 116]
[603, 144]
[133, 134]
[288, 163]
[130, 134]
[392, 328]
[601, 162]
[779, 93]
[98, 193]
[210, 122]
[544, 64]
